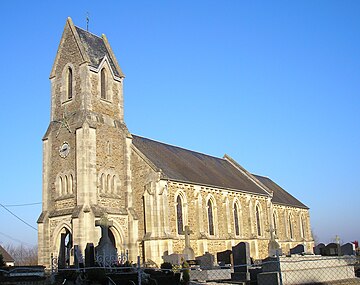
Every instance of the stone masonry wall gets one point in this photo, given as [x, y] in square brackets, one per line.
[110, 146]
[69, 55]
[112, 106]
[142, 175]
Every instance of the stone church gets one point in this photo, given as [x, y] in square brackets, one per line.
[94, 169]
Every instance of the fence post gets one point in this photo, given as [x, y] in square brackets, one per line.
[52, 263]
[278, 261]
[139, 273]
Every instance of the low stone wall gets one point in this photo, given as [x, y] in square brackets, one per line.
[309, 269]
[210, 275]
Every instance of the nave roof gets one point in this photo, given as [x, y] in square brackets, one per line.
[184, 165]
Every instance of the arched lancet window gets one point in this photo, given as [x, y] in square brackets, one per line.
[103, 83]
[113, 183]
[103, 183]
[236, 219]
[302, 226]
[108, 183]
[69, 83]
[258, 220]
[291, 227]
[66, 184]
[210, 217]
[275, 223]
[60, 186]
[179, 215]
[70, 184]
[65, 245]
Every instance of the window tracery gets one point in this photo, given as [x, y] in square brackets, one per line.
[179, 215]
[210, 217]
[65, 184]
[258, 220]
[108, 182]
[302, 226]
[69, 83]
[291, 233]
[275, 223]
[236, 219]
[103, 84]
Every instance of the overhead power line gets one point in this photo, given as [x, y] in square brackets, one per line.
[15, 239]
[26, 223]
[22, 205]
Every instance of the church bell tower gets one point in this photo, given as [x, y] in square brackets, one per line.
[86, 151]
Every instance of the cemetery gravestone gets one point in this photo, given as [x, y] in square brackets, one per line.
[273, 246]
[206, 261]
[106, 253]
[188, 251]
[61, 258]
[224, 257]
[319, 249]
[299, 249]
[90, 255]
[174, 258]
[78, 258]
[242, 261]
[348, 249]
[332, 249]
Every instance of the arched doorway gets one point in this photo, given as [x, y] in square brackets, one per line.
[65, 246]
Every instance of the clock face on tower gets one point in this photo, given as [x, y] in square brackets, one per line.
[64, 149]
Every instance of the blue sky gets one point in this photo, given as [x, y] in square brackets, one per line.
[273, 84]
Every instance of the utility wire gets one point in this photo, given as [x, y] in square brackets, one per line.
[22, 205]
[15, 239]
[18, 217]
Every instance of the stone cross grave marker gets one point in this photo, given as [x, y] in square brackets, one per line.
[106, 253]
[188, 251]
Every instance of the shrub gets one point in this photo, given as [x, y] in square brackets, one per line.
[166, 265]
[185, 273]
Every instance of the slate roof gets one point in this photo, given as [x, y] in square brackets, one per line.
[96, 50]
[6, 256]
[184, 165]
[280, 195]
[189, 166]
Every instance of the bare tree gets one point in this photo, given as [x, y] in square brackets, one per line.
[315, 237]
[23, 255]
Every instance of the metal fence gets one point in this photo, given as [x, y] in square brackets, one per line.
[310, 269]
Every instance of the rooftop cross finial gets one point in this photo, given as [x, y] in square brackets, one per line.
[337, 239]
[87, 21]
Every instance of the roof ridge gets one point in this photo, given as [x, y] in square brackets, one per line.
[264, 176]
[77, 27]
[179, 147]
